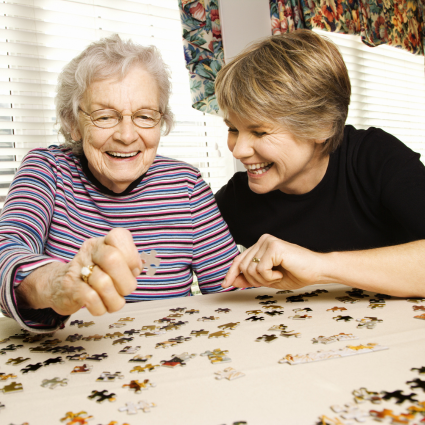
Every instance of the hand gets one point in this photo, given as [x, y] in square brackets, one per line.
[282, 265]
[117, 264]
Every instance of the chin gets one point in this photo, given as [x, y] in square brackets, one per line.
[258, 189]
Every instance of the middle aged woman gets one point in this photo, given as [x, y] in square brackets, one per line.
[320, 202]
[77, 216]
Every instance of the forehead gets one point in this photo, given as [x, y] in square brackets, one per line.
[249, 123]
[137, 89]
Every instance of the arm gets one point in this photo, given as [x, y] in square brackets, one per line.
[40, 291]
[213, 246]
[59, 286]
[395, 270]
[392, 176]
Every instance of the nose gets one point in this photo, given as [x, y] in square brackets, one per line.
[126, 130]
[242, 146]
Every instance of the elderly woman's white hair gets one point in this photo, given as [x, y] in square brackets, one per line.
[103, 59]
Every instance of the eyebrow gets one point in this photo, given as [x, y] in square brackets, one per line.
[250, 127]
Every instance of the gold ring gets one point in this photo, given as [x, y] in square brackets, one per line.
[86, 273]
[255, 260]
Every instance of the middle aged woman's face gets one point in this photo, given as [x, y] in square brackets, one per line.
[273, 158]
[117, 156]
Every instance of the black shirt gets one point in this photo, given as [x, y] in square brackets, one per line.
[372, 195]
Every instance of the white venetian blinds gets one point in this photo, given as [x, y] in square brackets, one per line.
[38, 37]
[388, 89]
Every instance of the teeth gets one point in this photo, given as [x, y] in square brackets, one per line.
[122, 155]
[258, 166]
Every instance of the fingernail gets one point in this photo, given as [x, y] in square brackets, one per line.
[136, 272]
[224, 283]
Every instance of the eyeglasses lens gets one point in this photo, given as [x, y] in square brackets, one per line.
[108, 118]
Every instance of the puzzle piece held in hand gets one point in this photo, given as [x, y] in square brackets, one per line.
[151, 262]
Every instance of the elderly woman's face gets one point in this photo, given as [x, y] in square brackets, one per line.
[117, 156]
[273, 158]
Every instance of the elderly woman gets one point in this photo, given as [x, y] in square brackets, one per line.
[320, 202]
[77, 216]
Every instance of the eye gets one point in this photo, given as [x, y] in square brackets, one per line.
[143, 117]
[232, 130]
[259, 134]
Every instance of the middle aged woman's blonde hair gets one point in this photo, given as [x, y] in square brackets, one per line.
[298, 80]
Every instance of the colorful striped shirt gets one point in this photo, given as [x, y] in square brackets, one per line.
[54, 204]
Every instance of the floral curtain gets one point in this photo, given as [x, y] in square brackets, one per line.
[203, 50]
[399, 23]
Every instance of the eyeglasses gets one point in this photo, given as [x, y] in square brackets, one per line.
[108, 118]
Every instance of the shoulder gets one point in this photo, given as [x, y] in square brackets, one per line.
[53, 156]
[377, 157]
[236, 187]
[375, 144]
[163, 166]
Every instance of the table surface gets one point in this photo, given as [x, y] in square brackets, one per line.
[269, 393]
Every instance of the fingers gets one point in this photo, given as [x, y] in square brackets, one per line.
[123, 240]
[116, 274]
[106, 297]
[256, 273]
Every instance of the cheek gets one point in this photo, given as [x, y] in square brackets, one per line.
[151, 140]
[231, 142]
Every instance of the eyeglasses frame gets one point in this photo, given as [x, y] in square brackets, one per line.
[121, 117]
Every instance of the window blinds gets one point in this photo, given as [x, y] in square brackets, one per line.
[38, 37]
[388, 89]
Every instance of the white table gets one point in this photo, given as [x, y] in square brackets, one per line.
[269, 393]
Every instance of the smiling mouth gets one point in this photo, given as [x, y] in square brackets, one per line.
[259, 168]
[122, 155]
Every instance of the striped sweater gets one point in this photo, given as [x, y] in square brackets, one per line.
[55, 203]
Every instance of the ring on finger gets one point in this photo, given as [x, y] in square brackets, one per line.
[255, 260]
[86, 272]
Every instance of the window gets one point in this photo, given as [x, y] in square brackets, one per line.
[388, 89]
[38, 37]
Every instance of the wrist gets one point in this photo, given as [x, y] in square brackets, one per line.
[36, 290]
[328, 268]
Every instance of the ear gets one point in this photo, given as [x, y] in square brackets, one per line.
[320, 141]
[75, 133]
